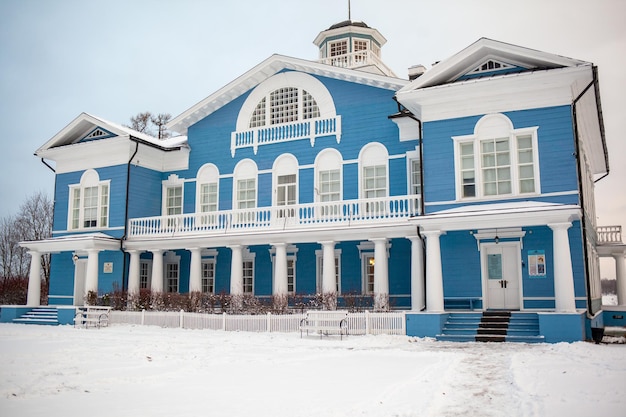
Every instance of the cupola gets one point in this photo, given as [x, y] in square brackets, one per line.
[352, 45]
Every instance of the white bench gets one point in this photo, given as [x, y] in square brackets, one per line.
[325, 322]
[92, 316]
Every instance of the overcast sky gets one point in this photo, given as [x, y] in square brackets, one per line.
[115, 58]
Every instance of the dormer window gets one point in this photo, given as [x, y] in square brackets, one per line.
[286, 105]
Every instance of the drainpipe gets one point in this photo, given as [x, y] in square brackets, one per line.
[593, 83]
[124, 272]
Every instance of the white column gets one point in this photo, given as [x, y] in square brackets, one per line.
[133, 273]
[564, 298]
[280, 269]
[236, 270]
[434, 274]
[417, 273]
[91, 282]
[156, 280]
[195, 270]
[34, 279]
[620, 276]
[381, 274]
[329, 277]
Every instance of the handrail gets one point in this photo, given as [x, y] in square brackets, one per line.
[609, 234]
[385, 209]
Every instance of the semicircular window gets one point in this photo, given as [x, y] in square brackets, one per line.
[284, 105]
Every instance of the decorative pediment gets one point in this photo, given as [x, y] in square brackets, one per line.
[487, 56]
[97, 133]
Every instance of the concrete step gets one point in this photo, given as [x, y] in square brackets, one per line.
[39, 315]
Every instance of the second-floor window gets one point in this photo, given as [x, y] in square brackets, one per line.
[174, 200]
[89, 202]
[500, 161]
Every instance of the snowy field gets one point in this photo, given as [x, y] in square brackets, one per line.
[128, 370]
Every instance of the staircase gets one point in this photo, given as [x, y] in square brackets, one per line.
[492, 326]
[39, 315]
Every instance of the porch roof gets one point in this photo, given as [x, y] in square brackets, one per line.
[80, 242]
[527, 213]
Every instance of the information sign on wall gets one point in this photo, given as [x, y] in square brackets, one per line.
[537, 263]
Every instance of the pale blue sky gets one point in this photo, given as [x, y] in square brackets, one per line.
[115, 58]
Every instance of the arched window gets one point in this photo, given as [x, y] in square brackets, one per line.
[245, 185]
[328, 176]
[374, 168]
[284, 98]
[497, 160]
[285, 180]
[207, 189]
[89, 202]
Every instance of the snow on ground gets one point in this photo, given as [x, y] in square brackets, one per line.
[128, 370]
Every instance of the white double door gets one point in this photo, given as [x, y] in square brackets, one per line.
[501, 271]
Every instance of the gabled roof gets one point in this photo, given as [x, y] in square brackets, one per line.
[83, 126]
[483, 50]
[266, 69]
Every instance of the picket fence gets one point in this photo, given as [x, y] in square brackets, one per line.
[391, 323]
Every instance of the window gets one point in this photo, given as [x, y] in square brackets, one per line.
[360, 48]
[368, 275]
[375, 181]
[248, 277]
[246, 193]
[208, 197]
[89, 202]
[291, 275]
[329, 185]
[416, 177]
[286, 194]
[144, 274]
[208, 276]
[286, 105]
[490, 65]
[171, 271]
[497, 160]
[174, 200]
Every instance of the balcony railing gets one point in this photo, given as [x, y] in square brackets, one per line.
[609, 234]
[285, 132]
[357, 59]
[334, 213]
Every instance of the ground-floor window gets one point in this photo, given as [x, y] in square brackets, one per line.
[248, 277]
[208, 276]
[171, 271]
[144, 275]
[368, 274]
[291, 275]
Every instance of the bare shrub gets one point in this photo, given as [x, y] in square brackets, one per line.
[13, 290]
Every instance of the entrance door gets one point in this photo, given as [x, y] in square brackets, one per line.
[501, 275]
[80, 275]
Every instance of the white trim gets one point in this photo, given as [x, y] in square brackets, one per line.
[495, 126]
[373, 154]
[171, 182]
[207, 174]
[484, 273]
[478, 200]
[319, 256]
[89, 179]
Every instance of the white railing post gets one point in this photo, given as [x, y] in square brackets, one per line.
[181, 318]
[269, 322]
[224, 321]
[367, 322]
[143, 316]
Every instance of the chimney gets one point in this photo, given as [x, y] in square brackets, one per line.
[415, 71]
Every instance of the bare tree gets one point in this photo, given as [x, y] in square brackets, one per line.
[160, 120]
[151, 124]
[9, 248]
[34, 222]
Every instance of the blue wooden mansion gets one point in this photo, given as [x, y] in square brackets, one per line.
[467, 187]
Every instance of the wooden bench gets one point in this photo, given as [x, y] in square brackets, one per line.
[92, 316]
[325, 322]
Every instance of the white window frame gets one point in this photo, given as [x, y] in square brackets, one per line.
[208, 175]
[76, 202]
[206, 279]
[413, 157]
[284, 166]
[245, 268]
[145, 273]
[171, 263]
[326, 161]
[173, 182]
[373, 155]
[490, 127]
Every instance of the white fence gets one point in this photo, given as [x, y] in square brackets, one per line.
[393, 323]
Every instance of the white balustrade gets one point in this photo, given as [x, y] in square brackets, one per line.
[374, 210]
